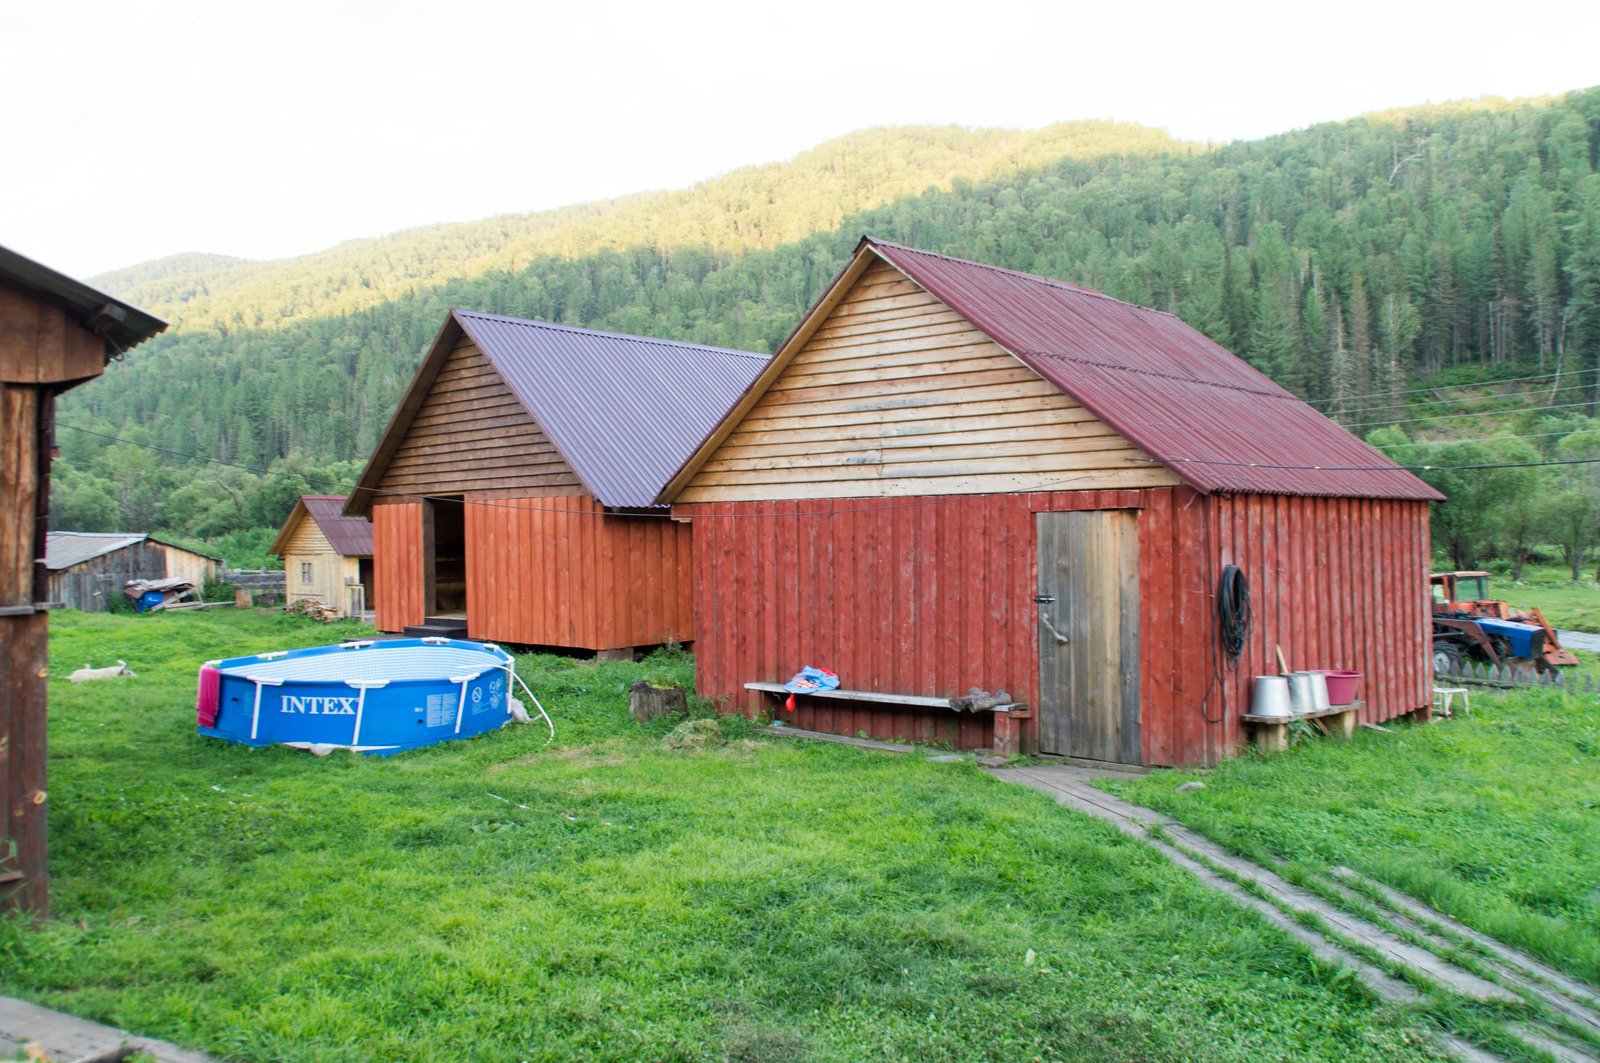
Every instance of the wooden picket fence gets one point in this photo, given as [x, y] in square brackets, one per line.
[1506, 678]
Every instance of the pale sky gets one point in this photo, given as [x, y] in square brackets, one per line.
[137, 130]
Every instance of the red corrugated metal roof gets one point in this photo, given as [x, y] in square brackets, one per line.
[624, 411]
[350, 536]
[1166, 387]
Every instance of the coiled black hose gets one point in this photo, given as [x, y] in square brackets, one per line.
[1233, 611]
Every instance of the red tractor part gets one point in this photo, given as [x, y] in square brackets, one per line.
[1458, 597]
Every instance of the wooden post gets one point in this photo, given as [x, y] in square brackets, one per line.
[23, 658]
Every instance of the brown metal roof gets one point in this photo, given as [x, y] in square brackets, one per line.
[350, 536]
[624, 411]
[1169, 389]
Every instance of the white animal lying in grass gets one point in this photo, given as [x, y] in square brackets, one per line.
[119, 669]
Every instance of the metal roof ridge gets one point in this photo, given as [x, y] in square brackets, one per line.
[531, 323]
[1051, 282]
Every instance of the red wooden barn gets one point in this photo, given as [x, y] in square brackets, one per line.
[512, 494]
[954, 476]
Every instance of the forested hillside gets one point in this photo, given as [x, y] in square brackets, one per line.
[1350, 261]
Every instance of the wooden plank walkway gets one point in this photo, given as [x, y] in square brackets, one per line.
[67, 1037]
[1343, 938]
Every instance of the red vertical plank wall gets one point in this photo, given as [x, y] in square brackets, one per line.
[932, 596]
[397, 569]
[562, 572]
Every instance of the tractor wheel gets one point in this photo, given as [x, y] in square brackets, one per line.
[1447, 659]
[1502, 648]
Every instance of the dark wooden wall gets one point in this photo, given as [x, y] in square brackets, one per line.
[932, 596]
[43, 351]
[90, 585]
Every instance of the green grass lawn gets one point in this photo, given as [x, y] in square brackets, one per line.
[1494, 818]
[606, 898]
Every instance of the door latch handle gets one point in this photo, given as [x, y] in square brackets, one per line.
[1060, 638]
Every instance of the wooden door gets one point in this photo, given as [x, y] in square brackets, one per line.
[1088, 607]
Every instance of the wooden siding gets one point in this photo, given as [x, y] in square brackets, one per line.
[399, 570]
[932, 596]
[42, 344]
[90, 585]
[471, 433]
[561, 572]
[330, 571]
[897, 394]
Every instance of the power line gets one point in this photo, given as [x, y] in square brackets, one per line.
[1436, 387]
[1469, 399]
[149, 58]
[525, 509]
[858, 509]
[1479, 439]
[1374, 468]
[1453, 416]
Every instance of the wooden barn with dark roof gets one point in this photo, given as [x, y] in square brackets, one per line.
[955, 476]
[512, 495]
[326, 555]
[55, 333]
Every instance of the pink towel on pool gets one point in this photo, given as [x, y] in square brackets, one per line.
[208, 700]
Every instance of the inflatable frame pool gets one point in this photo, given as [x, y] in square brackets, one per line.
[371, 696]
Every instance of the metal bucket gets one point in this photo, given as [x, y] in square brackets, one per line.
[1302, 693]
[1319, 691]
[1270, 697]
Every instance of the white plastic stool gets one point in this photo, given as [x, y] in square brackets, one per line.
[1443, 695]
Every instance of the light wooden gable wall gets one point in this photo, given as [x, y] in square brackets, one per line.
[472, 434]
[896, 394]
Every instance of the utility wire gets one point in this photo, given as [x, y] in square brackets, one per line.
[61, 132]
[1375, 468]
[1470, 399]
[1436, 387]
[1484, 439]
[1453, 416]
[859, 509]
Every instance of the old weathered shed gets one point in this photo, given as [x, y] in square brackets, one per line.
[513, 489]
[55, 333]
[88, 568]
[953, 476]
[326, 555]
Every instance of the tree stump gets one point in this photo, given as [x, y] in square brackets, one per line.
[646, 702]
[243, 598]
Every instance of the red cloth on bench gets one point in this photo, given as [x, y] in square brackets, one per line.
[208, 700]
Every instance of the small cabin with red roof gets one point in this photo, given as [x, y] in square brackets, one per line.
[955, 476]
[326, 555]
[512, 497]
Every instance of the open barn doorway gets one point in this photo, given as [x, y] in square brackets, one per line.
[449, 560]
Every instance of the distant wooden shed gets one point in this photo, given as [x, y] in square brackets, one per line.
[88, 568]
[512, 495]
[55, 333]
[326, 555]
[953, 476]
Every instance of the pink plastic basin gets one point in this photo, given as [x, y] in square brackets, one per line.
[1341, 685]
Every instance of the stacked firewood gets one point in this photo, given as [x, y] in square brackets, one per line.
[313, 608]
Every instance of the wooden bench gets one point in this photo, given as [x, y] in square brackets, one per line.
[1008, 718]
[1272, 732]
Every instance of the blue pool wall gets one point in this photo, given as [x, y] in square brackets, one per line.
[400, 715]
